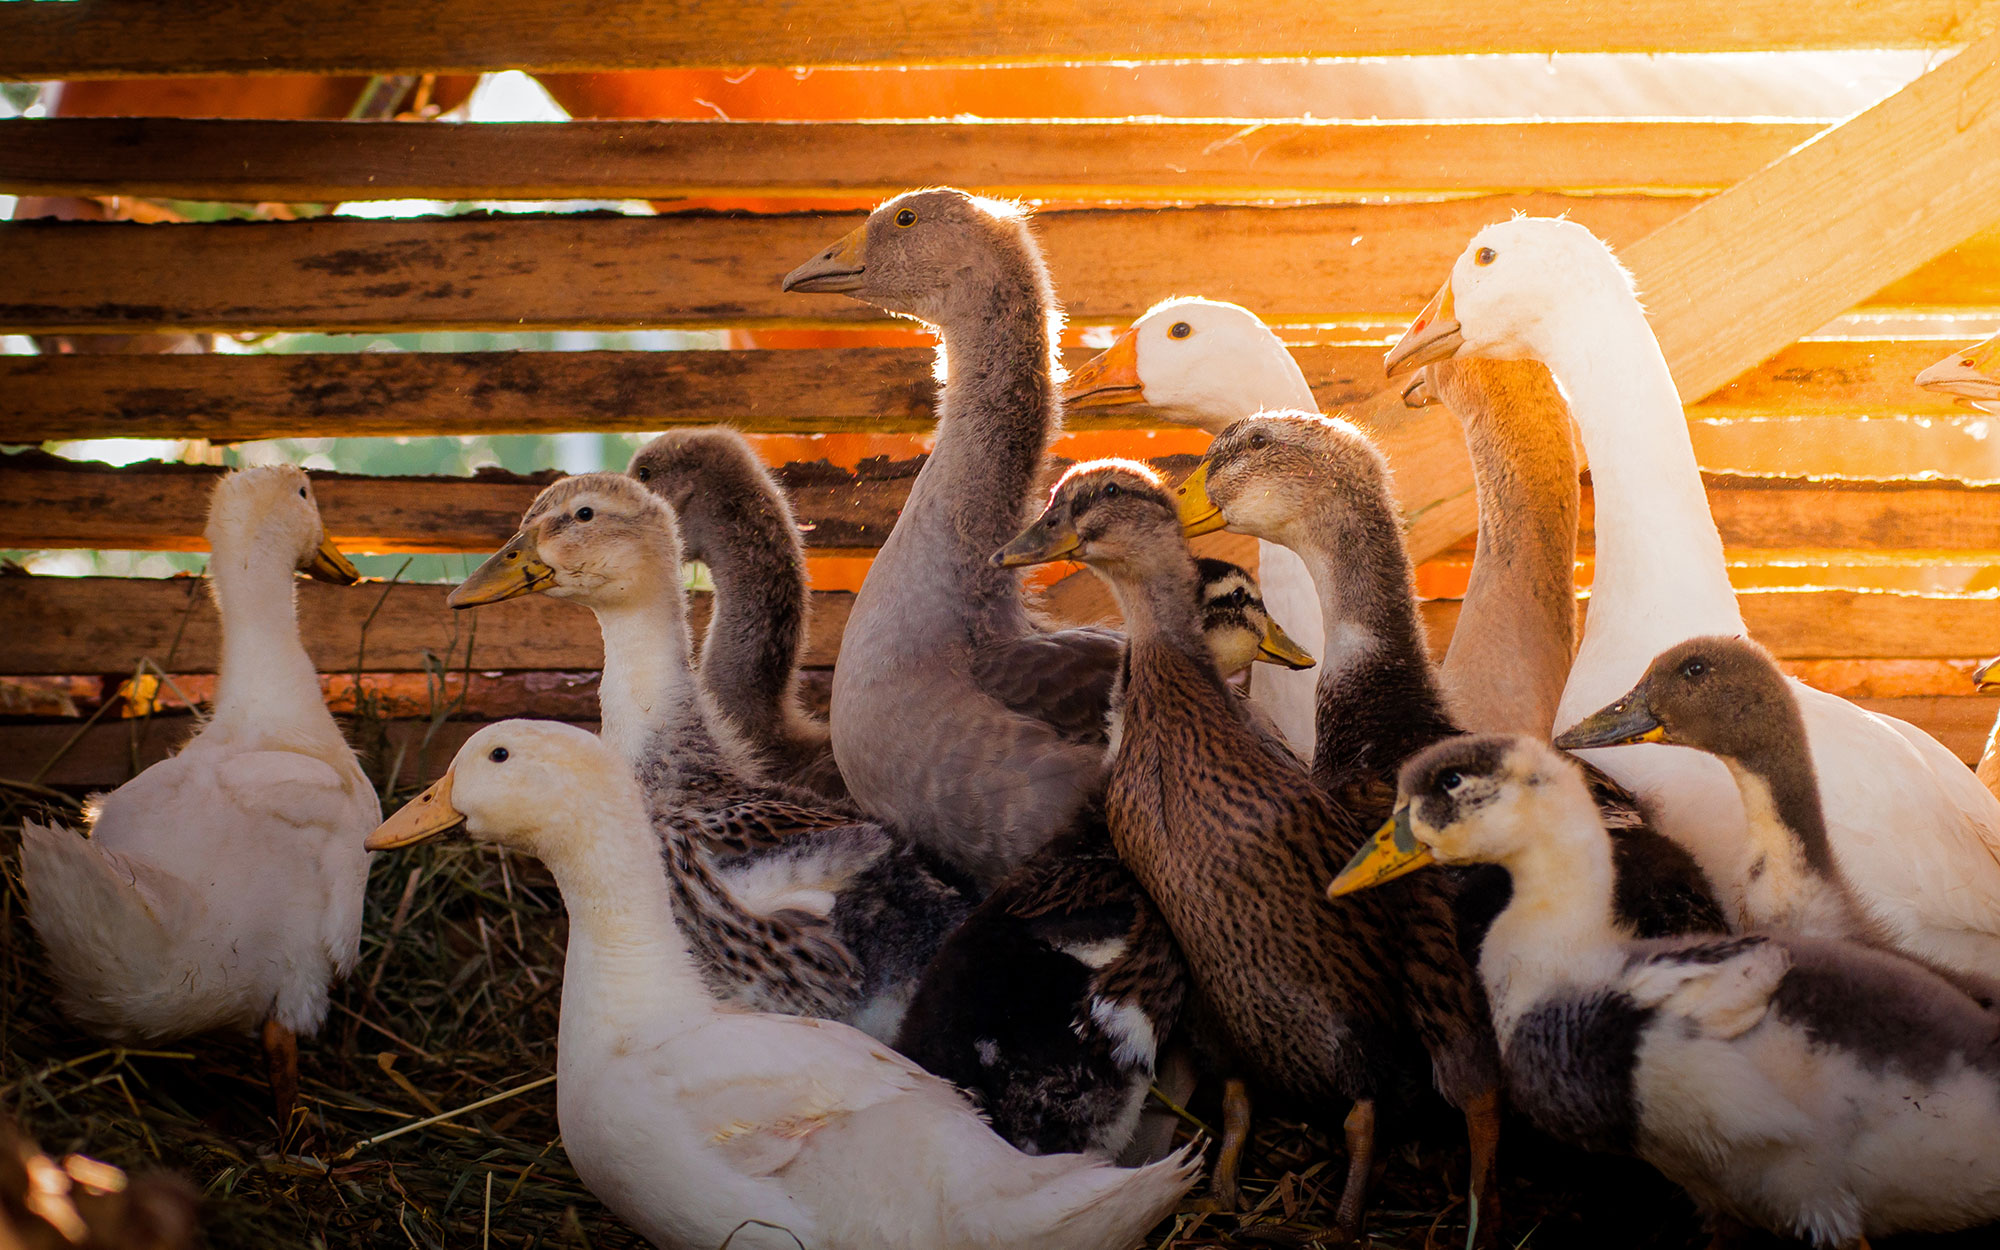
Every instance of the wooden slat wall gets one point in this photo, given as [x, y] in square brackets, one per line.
[1300, 265]
[51, 503]
[100, 38]
[309, 161]
[231, 399]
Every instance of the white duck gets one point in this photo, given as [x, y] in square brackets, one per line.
[222, 888]
[1972, 374]
[1209, 364]
[1817, 1088]
[702, 1124]
[1911, 827]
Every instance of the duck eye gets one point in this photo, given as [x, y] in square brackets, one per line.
[1694, 668]
[1450, 780]
[906, 217]
[584, 514]
[498, 755]
[1485, 256]
[645, 474]
[1111, 490]
[302, 492]
[1179, 330]
[1239, 597]
[1257, 441]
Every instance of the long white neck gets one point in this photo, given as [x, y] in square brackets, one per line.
[266, 681]
[647, 674]
[1660, 572]
[628, 970]
[1558, 927]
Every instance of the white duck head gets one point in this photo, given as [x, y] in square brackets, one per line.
[598, 539]
[1197, 361]
[1529, 288]
[269, 508]
[1972, 374]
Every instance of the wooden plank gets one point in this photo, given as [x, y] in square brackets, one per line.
[230, 399]
[106, 624]
[1864, 205]
[318, 161]
[110, 38]
[602, 271]
[48, 502]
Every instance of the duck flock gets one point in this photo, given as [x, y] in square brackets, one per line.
[906, 977]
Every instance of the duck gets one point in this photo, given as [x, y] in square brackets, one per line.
[1051, 1003]
[1984, 678]
[957, 715]
[1549, 290]
[1228, 837]
[793, 904]
[1207, 363]
[701, 1123]
[1972, 374]
[737, 520]
[1812, 1087]
[221, 888]
[1299, 479]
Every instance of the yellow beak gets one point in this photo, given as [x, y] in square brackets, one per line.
[328, 565]
[1110, 377]
[425, 816]
[838, 268]
[1277, 647]
[1434, 335]
[1393, 852]
[1198, 512]
[1983, 678]
[514, 570]
[1050, 538]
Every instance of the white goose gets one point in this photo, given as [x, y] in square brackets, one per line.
[222, 888]
[1209, 364]
[702, 1124]
[1910, 825]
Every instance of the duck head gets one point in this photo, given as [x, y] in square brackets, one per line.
[720, 492]
[1972, 374]
[1111, 514]
[270, 507]
[1473, 799]
[1196, 361]
[1722, 695]
[1512, 293]
[1238, 626]
[1271, 474]
[520, 784]
[600, 539]
[934, 254]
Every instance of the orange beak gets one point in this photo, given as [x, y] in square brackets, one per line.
[1433, 336]
[1110, 377]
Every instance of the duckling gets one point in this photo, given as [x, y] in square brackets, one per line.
[1813, 1087]
[1299, 479]
[1050, 1003]
[702, 1124]
[956, 715]
[735, 518]
[1227, 837]
[815, 910]
[222, 888]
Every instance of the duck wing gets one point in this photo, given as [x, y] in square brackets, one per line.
[1724, 986]
[1062, 678]
[760, 823]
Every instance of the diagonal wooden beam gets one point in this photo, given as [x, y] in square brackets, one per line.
[1789, 248]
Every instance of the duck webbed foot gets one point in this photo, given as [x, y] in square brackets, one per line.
[1223, 1195]
[281, 1064]
[1360, 1130]
[1482, 1131]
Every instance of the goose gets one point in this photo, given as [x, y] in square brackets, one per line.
[1549, 290]
[956, 715]
[1813, 1087]
[1206, 363]
[222, 888]
[1972, 374]
[1233, 843]
[735, 518]
[1301, 480]
[1051, 1002]
[702, 1124]
[812, 910]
